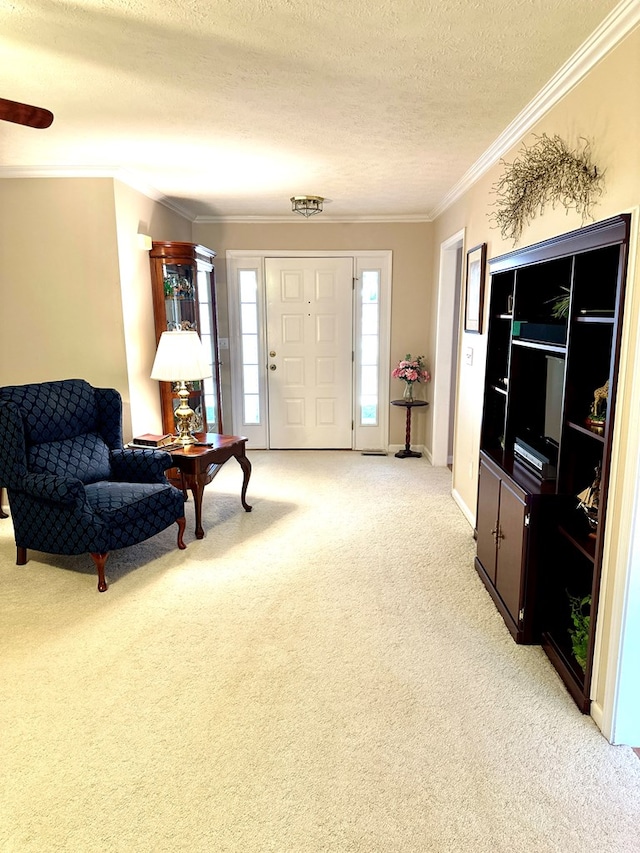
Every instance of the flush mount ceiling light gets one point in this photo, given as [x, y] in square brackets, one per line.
[307, 205]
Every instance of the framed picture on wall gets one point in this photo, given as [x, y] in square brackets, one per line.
[474, 289]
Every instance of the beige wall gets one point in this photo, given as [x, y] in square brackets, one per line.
[75, 286]
[605, 108]
[137, 214]
[60, 295]
[411, 246]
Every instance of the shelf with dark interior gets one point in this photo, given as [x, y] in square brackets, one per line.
[535, 399]
[597, 279]
[605, 321]
[559, 653]
[540, 291]
[557, 349]
[583, 430]
[589, 368]
[553, 344]
[584, 542]
[593, 352]
[570, 579]
[498, 352]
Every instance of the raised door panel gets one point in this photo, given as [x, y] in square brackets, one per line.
[488, 509]
[511, 550]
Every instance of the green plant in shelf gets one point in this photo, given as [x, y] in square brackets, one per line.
[579, 630]
[560, 305]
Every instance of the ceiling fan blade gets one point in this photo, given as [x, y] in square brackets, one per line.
[25, 114]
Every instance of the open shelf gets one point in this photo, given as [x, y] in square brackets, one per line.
[561, 656]
[603, 319]
[584, 543]
[541, 345]
[585, 431]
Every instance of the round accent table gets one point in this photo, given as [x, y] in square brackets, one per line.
[408, 405]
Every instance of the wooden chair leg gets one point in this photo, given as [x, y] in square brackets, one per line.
[181, 522]
[21, 558]
[100, 560]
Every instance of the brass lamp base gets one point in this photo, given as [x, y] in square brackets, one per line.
[184, 416]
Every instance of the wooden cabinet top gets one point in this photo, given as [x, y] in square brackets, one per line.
[604, 233]
[176, 252]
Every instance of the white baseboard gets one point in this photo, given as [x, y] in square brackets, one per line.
[464, 508]
[597, 714]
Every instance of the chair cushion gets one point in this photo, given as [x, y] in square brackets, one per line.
[53, 411]
[119, 504]
[85, 457]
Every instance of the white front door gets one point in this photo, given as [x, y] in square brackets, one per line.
[309, 347]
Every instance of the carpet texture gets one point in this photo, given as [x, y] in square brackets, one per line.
[326, 673]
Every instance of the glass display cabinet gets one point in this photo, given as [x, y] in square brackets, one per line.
[184, 297]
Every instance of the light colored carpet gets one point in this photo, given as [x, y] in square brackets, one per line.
[325, 673]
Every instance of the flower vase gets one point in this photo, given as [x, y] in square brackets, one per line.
[408, 391]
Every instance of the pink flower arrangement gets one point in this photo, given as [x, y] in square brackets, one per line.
[411, 370]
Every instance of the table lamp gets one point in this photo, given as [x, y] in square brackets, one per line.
[181, 358]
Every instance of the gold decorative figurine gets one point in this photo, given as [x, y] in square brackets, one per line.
[598, 413]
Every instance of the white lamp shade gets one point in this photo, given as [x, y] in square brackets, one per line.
[180, 356]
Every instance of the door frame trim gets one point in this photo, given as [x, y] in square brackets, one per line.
[447, 337]
[364, 437]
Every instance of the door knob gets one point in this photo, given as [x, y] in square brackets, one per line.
[272, 367]
[272, 354]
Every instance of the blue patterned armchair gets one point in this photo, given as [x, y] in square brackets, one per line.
[71, 485]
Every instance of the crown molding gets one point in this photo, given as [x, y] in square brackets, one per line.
[615, 27]
[57, 172]
[133, 180]
[299, 220]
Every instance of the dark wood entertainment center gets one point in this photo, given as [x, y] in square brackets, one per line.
[537, 549]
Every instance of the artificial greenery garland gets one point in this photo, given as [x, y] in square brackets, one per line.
[547, 172]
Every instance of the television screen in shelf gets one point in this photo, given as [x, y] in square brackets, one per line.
[537, 447]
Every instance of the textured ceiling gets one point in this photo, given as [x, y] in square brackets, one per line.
[229, 107]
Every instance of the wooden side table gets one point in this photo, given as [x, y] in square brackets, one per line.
[199, 464]
[408, 405]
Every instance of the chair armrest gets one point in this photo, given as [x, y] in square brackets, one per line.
[49, 487]
[134, 465]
